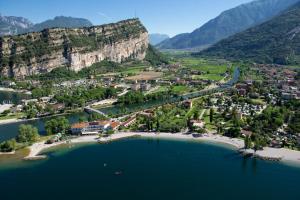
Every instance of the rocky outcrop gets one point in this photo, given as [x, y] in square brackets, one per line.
[40, 52]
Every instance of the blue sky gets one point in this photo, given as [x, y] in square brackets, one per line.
[159, 16]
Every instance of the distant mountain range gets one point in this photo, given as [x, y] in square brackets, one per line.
[17, 25]
[13, 25]
[228, 23]
[276, 41]
[157, 38]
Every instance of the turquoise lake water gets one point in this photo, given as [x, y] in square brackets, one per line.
[148, 169]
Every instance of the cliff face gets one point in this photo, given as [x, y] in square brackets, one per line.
[40, 52]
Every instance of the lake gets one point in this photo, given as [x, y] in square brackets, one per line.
[148, 169]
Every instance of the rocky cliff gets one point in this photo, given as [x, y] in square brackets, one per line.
[40, 52]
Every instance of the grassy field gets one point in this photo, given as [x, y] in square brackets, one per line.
[146, 76]
[181, 89]
[212, 70]
[133, 70]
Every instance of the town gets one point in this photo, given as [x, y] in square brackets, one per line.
[159, 99]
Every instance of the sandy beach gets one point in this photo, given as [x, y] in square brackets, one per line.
[284, 155]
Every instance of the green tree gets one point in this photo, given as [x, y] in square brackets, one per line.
[8, 146]
[196, 115]
[110, 132]
[95, 116]
[211, 115]
[27, 133]
[59, 125]
[248, 142]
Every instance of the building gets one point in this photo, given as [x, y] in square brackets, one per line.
[136, 87]
[93, 128]
[242, 92]
[26, 102]
[145, 87]
[198, 123]
[129, 122]
[188, 104]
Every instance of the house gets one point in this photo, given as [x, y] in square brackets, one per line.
[242, 86]
[45, 99]
[198, 123]
[135, 87]
[145, 87]
[276, 144]
[242, 92]
[93, 128]
[26, 102]
[129, 122]
[246, 133]
[188, 104]
[58, 107]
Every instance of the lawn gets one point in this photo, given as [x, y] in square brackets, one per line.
[180, 89]
[133, 70]
[212, 70]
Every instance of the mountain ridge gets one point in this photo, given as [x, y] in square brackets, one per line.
[228, 23]
[276, 41]
[10, 25]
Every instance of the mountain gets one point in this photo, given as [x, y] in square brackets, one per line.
[157, 38]
[228, 23]
[41, 52]
[19, 25]
[61, 22]
[10, 25]
[276, 41]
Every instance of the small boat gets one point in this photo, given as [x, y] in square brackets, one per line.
[118, 173]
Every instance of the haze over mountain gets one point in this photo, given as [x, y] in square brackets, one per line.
[18, 25]
[228, 23]
[10, 25]
[276, 41]
[156, 38]
[61, 22]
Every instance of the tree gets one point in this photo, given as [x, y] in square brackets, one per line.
[95, 116]
[196, 115]
[211, 115]
[247, 142]
[110, 132]
[190, 125]
[233, 132]
[82, 119]
[59, 125]
[8, 146]
[27, 133]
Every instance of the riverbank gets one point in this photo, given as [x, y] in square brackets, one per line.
[16, 120]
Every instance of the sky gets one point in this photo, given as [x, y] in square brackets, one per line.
[159, 16]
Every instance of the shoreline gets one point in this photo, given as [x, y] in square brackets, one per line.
[5, 89]
[272, 154]
[16, 120]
